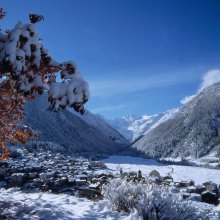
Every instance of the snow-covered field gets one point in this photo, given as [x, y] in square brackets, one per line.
[16, 205]
[46, 206]
[127, 163]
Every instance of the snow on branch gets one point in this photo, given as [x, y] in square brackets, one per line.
[24, 60]
[26, 67]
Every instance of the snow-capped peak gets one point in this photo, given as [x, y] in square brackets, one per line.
[133, 127]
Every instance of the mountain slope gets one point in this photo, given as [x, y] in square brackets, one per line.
[101, 125]
[133, 127]
[193, 131]
[68, 130]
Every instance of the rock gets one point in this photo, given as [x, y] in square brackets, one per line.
[82, 177]
[90, 194]
[3, 184]
[195, 197]
[64, 180]
[43, 177]
[154, 173]
[209, 197]
[95, 180]
[31, 187]
[71, 181]
[181, 184]
[168, 179]
[110, 176]
[175, 190]
[97, 164]
[2, 172]
[200, 189]
[210, 186]
[95, 185]
[64, 168]
[102, 175]
[139, 175]
[32, 175]
[191, 183]
[80, 182]
[191, 189]
[17, 179]
[185, 195]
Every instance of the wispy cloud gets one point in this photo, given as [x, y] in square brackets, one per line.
[211, 77]
[136, 82]
[108, 108]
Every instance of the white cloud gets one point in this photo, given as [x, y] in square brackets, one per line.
[210, 78]
[107, 108]
[135, 82]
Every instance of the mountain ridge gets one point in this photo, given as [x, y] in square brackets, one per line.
[194, 131]
[68, 130]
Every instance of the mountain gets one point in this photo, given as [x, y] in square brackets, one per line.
[193, 131]
[70, 132]
[133, 127]
[101, 125]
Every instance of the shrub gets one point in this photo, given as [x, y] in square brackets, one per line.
[152, 202]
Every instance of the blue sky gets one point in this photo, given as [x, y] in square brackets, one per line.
[139, 56]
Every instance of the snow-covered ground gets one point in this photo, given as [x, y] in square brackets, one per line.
[15, 204]
[127, 163]
[46, 206]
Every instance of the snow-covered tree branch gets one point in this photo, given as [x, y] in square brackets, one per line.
[25, 68]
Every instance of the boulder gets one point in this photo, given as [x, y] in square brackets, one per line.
[185, 195]
[18, 179]
[154, 173]
[210, 186]
[195, 197]
[32, 175]
[209, 197]
[168, 179]
[181, 184]
[2, 172]
[191, 183]
[31, 186]
[191, 189]
[43, 177]
[3, 184]
[200, 189]
[91, 194]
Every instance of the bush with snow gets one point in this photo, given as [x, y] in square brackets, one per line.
[151, 202]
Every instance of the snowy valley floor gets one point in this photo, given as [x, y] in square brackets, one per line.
[127, 163]
[46, 206]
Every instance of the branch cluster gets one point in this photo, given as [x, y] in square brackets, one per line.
[26, 67]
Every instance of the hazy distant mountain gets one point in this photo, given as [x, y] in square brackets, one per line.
[193, 131]
[132, 127]
[71, 132]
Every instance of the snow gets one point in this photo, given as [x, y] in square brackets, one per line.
[168, 115]
[27, 60]
[127, 163]
[133, 127]
[40, 205]
[51, 206]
